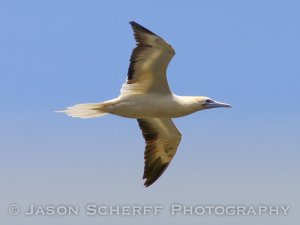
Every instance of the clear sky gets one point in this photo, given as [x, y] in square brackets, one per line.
[55, 54]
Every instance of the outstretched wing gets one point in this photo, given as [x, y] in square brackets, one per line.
[148, 63]
[162, 139]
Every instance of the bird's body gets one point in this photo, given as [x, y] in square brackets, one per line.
[151, 106]
[146, 96]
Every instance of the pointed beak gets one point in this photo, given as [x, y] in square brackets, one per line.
[216, 104]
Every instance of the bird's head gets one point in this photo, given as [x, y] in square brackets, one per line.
[208, 103]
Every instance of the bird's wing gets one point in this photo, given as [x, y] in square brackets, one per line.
[162, 139]
[148, 63]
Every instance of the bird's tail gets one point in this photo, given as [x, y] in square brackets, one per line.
[88, 110]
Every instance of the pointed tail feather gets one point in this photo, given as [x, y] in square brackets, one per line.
[89, 110]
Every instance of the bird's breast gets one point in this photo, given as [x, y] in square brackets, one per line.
[143, 106]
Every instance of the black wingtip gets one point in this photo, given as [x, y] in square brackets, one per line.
[131, 22]
[152, 180]
[135, 25]
[148, 183]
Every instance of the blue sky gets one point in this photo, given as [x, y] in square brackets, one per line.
[55, 54]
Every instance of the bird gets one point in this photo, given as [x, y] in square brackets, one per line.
[147, 97]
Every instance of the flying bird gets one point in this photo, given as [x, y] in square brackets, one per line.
[146, 96]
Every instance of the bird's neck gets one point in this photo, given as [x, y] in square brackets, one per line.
[189, 102]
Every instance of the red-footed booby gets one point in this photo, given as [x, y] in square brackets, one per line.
[146, 96]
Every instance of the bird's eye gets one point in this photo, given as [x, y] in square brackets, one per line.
[209, 101]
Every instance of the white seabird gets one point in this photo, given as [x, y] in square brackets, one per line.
[146, 96]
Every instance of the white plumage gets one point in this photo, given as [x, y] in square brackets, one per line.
[147, 97]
